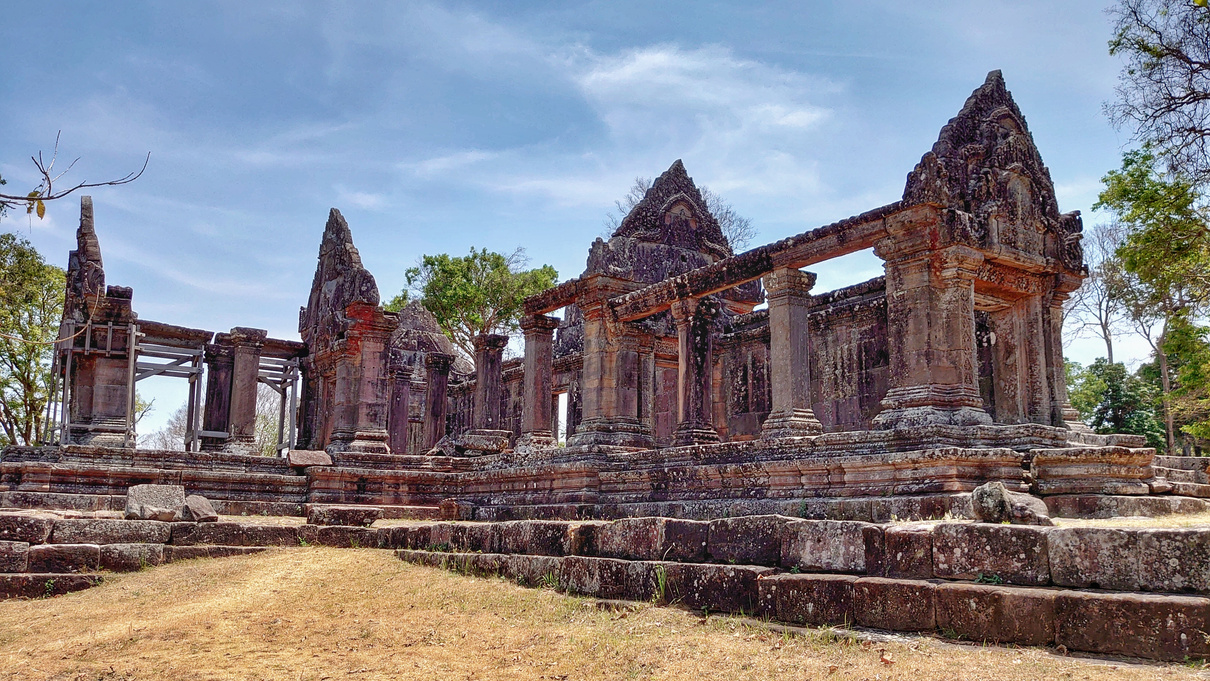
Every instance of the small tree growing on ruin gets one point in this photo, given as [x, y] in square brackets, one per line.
[479, 293]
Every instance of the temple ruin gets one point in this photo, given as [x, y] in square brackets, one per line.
[692, 383]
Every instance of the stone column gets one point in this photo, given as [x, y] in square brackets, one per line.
[220, 359]
[933, 375]
[246, 344]
[695, 360]
[363, 382]
[536, 392]
[609, 391]
[1062, 413]
[437, 377]
[789, 294]
[397, 420]
[489, 355]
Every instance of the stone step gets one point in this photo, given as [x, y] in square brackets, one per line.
[1181, 475]
[42, 585]
[1191, 489]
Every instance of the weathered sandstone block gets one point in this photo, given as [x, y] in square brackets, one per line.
[894, 604]
[42, 585]
[64, 558]
[346, 536]
[908, 551]
[993, 503]
[1175, 560]
[25, 528]
[1141, 625]
[1014, 553]
[103, 531]
[607, 577]
[534, 537]
[654, 539]
[359, 516]
[14, 556]
[807, 599]
[581, 538]
[722, 588]
[825, 545]
[979, 612]
[1097, 557]
[747, 540]
[233, 534]
[301, 458]
[533, 570]
[131, 557]
[174, 553]
[197, 509]
[154, 502]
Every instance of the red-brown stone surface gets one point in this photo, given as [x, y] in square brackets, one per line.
[807, 599]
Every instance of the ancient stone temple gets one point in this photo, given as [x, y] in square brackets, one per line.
[689, 380]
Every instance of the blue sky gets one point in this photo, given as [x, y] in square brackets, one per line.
[435, 127]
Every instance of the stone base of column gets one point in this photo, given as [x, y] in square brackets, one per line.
[930, 405]
[791, 423]
[538, 440]
[614, 432]
[475, 442]
[368, 441]
[690, 433]
[240, 445]
[107, 432]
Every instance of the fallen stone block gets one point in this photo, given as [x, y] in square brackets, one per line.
[131, 557]
[356, 516]
[894, 604]
[747, 540]
[716, 588]
[825, 545]
[654, 538]
[997, 614]
[908, 552]
[233, 534]
[815, 600]
[154, 502]
[25, 528]
[196, 509]
[534, 537]
[993, 503]
[14, 556]
[103, 531]
[44, 585]
[346, 537]
[1175, 560]
[1140, 625]
[1096, 557]
[64, 558]
[1013, 553]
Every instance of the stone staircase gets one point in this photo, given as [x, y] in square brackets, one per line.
[1188, 475]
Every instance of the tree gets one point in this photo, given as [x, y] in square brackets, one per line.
[35, 200]
[31, 306]
[1165, 255]
[737, 228]
[1111, 400]
[475, 294]
[1096, 307]
[268, 403]
[1164, 87]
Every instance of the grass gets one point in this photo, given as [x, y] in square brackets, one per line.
[319, 613]
[1189, 520]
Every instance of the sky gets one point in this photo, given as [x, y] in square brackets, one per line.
[437, 127]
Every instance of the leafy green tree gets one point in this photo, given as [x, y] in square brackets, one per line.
[1164, 86]
[1165, 255]
[474, 294]
[31, 305]
[1111, 400]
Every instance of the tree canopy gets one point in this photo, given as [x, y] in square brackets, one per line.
[30, 309]
[478, 293]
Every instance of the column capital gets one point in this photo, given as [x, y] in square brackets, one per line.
[539, 323]
[788, 281]
[683, 309]
[439, 362]
[490, 341]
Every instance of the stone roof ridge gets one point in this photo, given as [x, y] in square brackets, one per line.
[646, 221]
[340, 279]
[968, 165]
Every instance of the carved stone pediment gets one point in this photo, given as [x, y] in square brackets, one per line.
[340, 280]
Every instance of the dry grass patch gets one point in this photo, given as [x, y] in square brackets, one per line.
[321, 613]
[1179, 520]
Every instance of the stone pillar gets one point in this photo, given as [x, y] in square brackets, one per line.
[789, 294]
[220, 360]
[437, 366]
[931, 323]
[536, 395]
[363, 382]
[397, 421]
[695, 361]
[489, 356]
[609, 391]
[1062, 414]
[246, 344]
